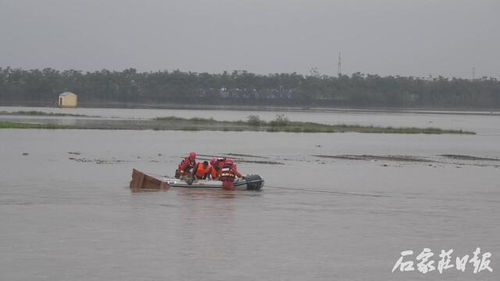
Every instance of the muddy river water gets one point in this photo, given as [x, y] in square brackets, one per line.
[337, 206]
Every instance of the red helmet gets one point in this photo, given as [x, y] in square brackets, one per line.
[192, 155]
[229, 161]
[213, 161]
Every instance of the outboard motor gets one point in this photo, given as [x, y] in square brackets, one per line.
[254, 182]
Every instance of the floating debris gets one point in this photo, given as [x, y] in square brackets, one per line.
[97, 161]
[399, 158]
[246, 155]
[260, 162]
[83, 160]
[468, 157]
[240, 159]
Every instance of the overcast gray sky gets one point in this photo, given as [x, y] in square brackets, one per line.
[385, 37]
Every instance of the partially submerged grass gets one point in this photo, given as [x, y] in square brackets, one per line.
[280, 124]
[41, 113]
[468, 157]
[398, 158]
[458, 159]
[18, 125]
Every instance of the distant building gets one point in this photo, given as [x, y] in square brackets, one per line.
[68, 99]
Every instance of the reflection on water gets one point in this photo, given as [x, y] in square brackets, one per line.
[317, 218]
[212, 194]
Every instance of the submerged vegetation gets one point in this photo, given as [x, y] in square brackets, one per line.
[280, 124]
[41, 113]
[20, 125]
[468, 157]
[283, 124]
[397, 158]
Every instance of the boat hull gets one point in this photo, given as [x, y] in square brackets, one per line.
[141, 181]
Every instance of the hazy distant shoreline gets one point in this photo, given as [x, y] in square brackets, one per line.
[185, 89]
[415, 110]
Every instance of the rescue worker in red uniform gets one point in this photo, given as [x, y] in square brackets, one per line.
[228, 174]
[186, 166]
[216, 164]
[202, 170]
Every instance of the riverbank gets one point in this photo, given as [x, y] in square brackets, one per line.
[41, 113]
[274, 108]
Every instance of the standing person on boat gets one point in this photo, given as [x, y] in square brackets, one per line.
[186, 166]
[228, 174]
[202, 170]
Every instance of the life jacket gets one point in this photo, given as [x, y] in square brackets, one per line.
[201, 171]
[215, 172]
[229, 172]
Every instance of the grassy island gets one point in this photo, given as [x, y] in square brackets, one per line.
[282, 124]
[254, 123]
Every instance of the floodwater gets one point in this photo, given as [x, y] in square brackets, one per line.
[66, 212]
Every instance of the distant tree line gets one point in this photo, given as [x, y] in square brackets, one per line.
[132, 88]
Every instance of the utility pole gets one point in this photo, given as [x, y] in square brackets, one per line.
[314, 72]
[340, 65]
